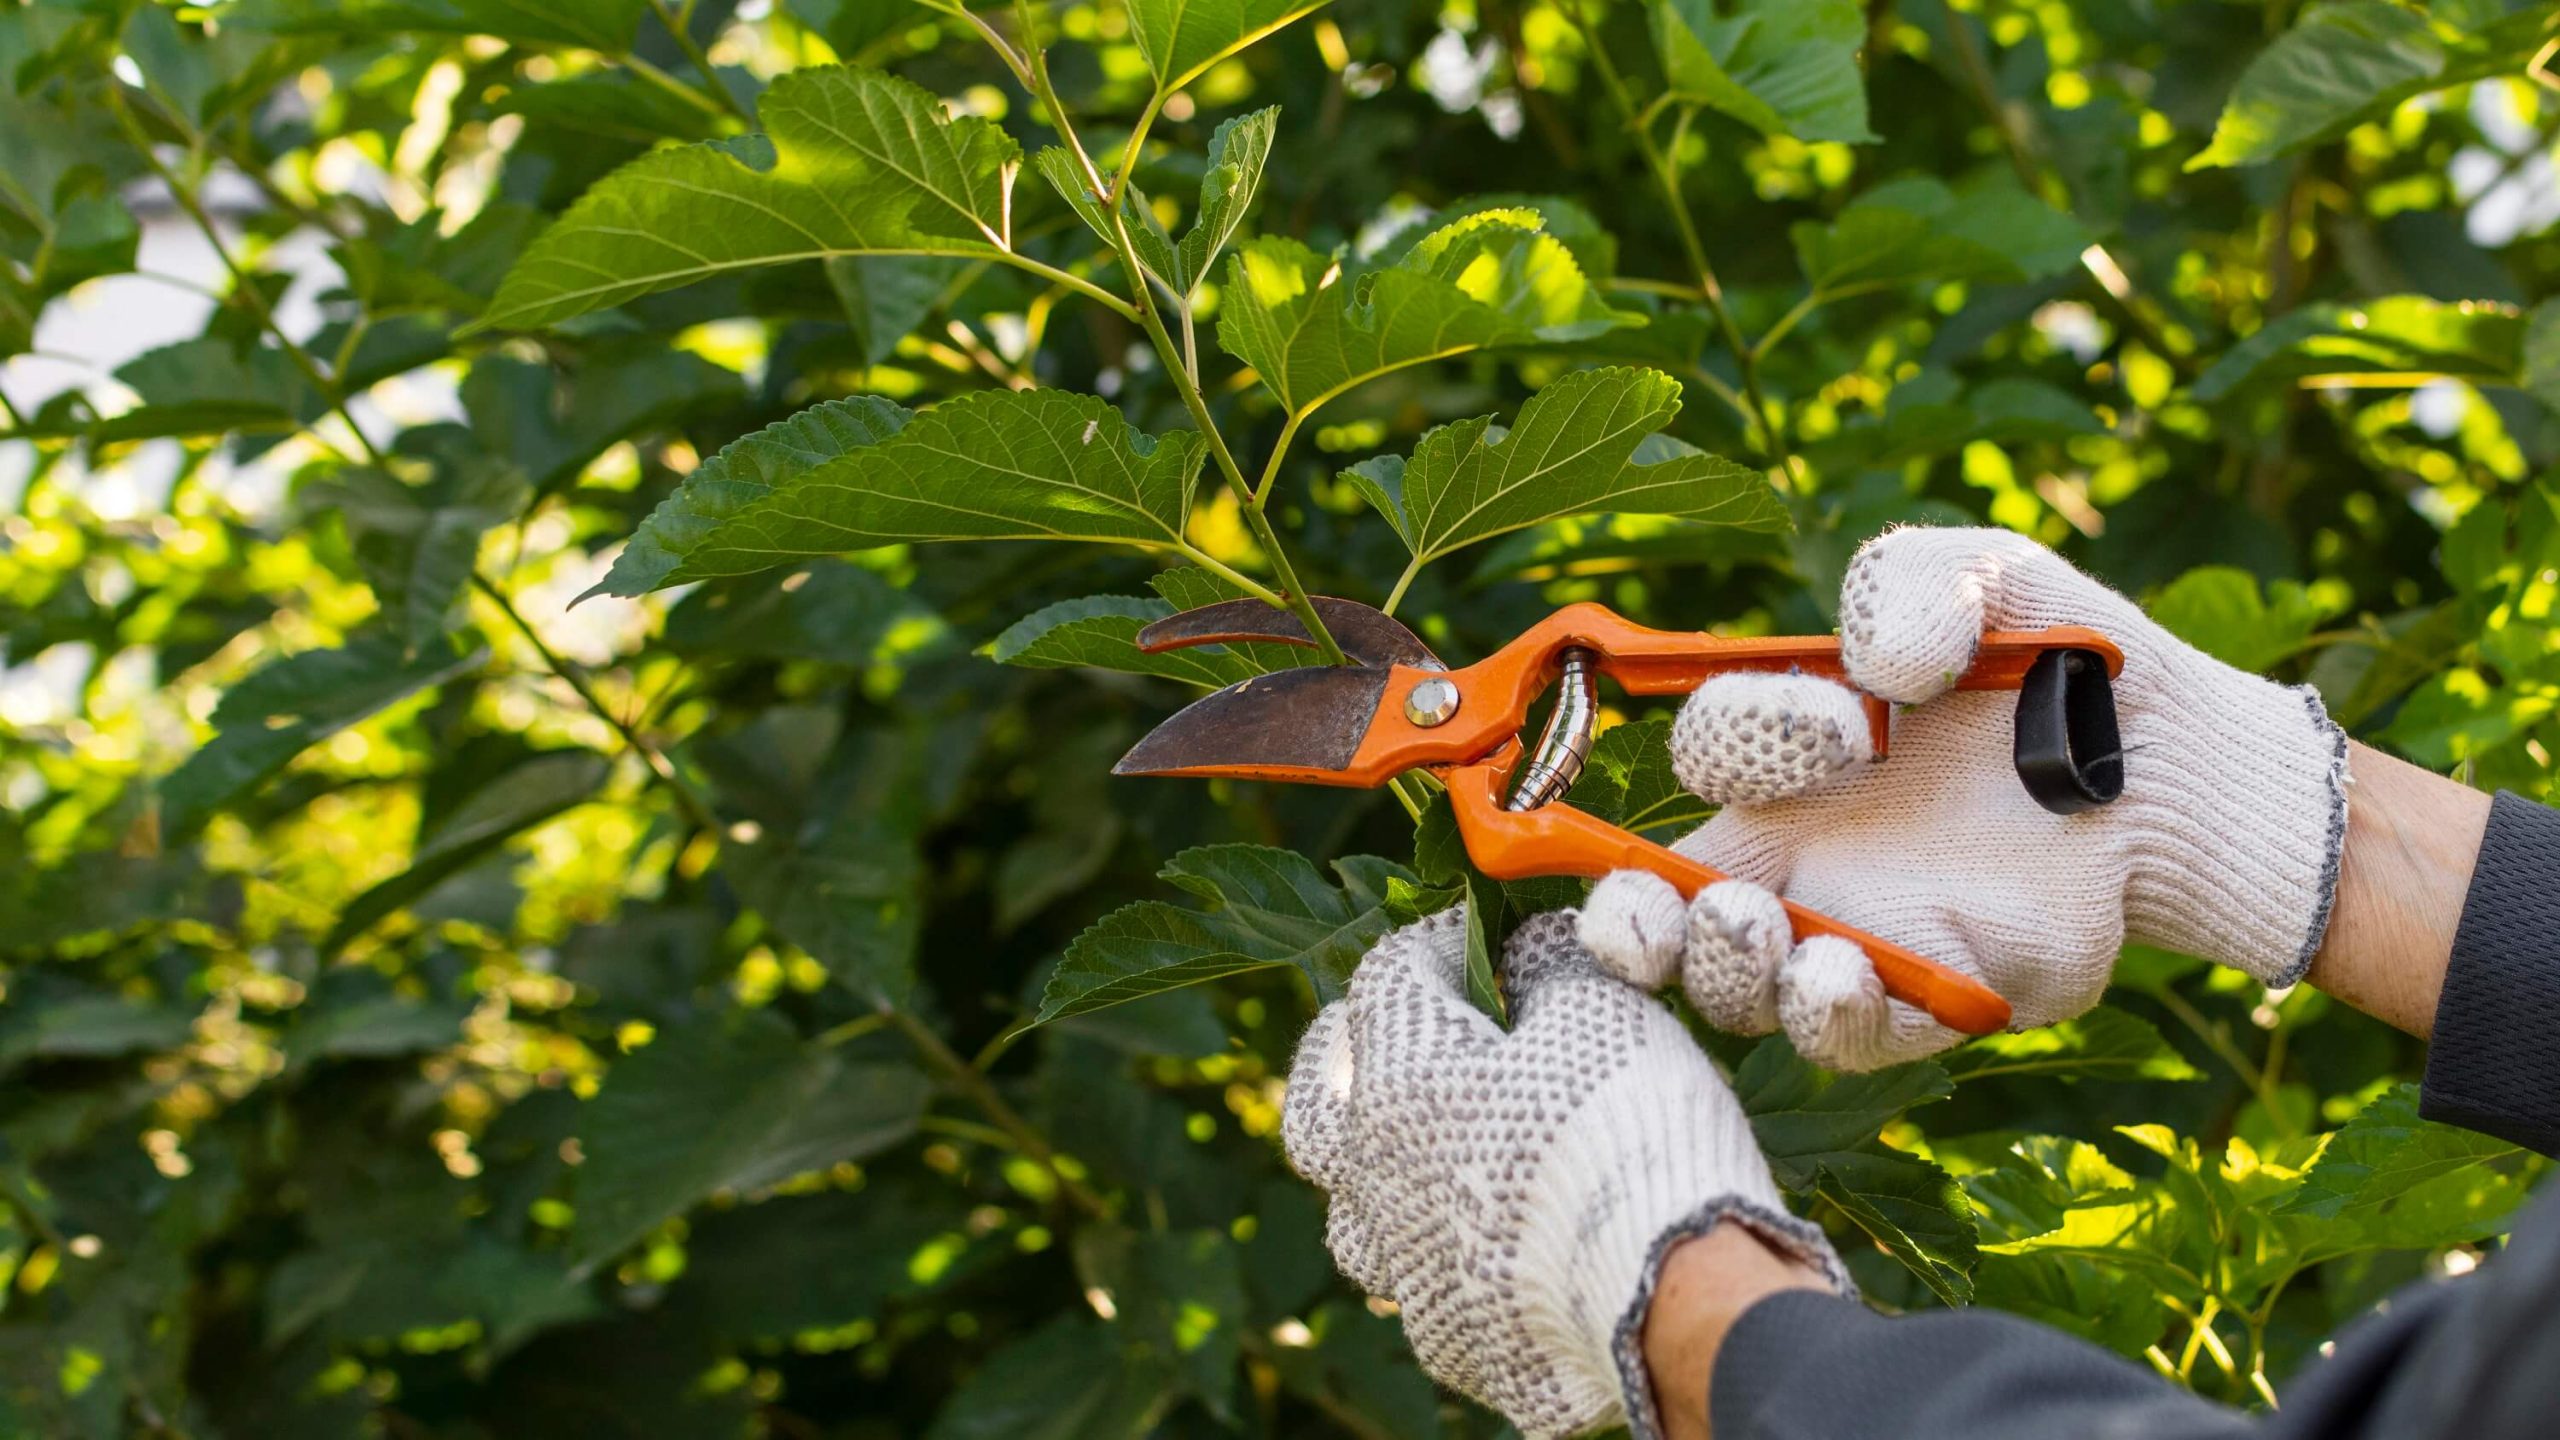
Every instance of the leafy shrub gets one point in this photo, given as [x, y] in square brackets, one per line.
[740, 1001]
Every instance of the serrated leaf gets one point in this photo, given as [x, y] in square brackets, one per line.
[553, 424]
[729, 1101]
[993, 465]
[1628, 781]
[207, 386]
[1101, 631]
[1182, 38]
[2218, 609]
[1178, 1298]
[1574, 447]
[744, 471]
[416, 529]
[1782, 67]
[2102, 1044]
[2348, 61]
[2397, 334]
[852, 161]
[1065, 1381]
[511, 802]
[1912, 1208]
[2375, 1162]
[1263, 907]
[1805, 1120]
[1238, 150]
[851, 895]
[1313, 326]
[606, 25]
[1909, 231]
[291, 705]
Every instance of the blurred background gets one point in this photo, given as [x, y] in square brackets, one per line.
[431, 1009]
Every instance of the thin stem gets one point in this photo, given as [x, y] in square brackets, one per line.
[1395, 596]
[1279, 451]
[1235, 577]
[1666, 175]
[981, 1093]
[1083, 287]
[243, 284]
[697, 807]
[1771, 336]
[1637, 285]
[693, 52]
[1129, 154]
[1169, 355]
[693, 95]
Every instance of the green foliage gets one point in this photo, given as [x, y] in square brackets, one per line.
[741, 1002]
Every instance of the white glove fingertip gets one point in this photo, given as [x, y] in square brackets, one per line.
[1835, 1010]
[1634, 924]
[1738, 936]
[1750, 737]
[1912, 610]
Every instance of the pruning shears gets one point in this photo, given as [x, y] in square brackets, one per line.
[1396, 707]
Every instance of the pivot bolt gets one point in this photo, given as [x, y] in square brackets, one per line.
[1431, 703]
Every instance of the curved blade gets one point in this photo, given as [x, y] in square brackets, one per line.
[1369, 636]
[1289, 725]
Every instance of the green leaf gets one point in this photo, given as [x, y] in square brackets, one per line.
[798, 1263]
[1313, 326]
[856, 161]
[1918, 230]
[511, 802]
[2542, 354]
[744, 471]
[291, 705]
[2372, 1170]
[1805, 1120]
[850, 895]
[1628, 781]
[1782, 67]
[1147, 236]
[885, 297]
[1101, 632]
[1183, 38]
[613, 105]
[993, 465]
[729, 1101]
[2103, 1044]
[2217, 609]
[554, 425]
[416, 529]
[1915, 1210]
[1065, 1381]
[606, 25]
[1262, 907]
[64, 1022]
[1356, 1362]
[2409, 335]
[210, 385]
[1237, 152]
[1179, 1296]
[2345, 62]
[1574, 447]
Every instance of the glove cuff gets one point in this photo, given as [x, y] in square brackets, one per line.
[1794, 1239]
[2243, 814]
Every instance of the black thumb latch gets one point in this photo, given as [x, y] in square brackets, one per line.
[2070, 756]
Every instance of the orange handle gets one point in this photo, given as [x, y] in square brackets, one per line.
[1557, 839]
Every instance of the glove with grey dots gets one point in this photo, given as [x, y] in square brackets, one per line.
[1514, 1192]
[2225, 843]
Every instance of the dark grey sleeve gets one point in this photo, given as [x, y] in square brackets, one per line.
[2494, 1065]
[2475, 1359]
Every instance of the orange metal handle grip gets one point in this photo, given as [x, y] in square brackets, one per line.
[1557, 839]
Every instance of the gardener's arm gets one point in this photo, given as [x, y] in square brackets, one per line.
[1738, 1335]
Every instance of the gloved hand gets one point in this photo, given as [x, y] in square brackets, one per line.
[2225, 843]
[1514, 1193]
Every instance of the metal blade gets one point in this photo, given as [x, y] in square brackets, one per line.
[1274, 726]
[1369, 636]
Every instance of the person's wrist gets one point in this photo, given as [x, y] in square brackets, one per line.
[1704, 1287]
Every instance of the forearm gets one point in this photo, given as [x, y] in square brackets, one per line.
[2412, 838]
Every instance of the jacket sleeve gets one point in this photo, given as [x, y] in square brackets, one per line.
[2493, 1065]
[2473, 1359]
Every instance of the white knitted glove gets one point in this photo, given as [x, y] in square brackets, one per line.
[1514, 1193]
[2224, 844]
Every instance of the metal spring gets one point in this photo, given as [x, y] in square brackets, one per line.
[1566, 742]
